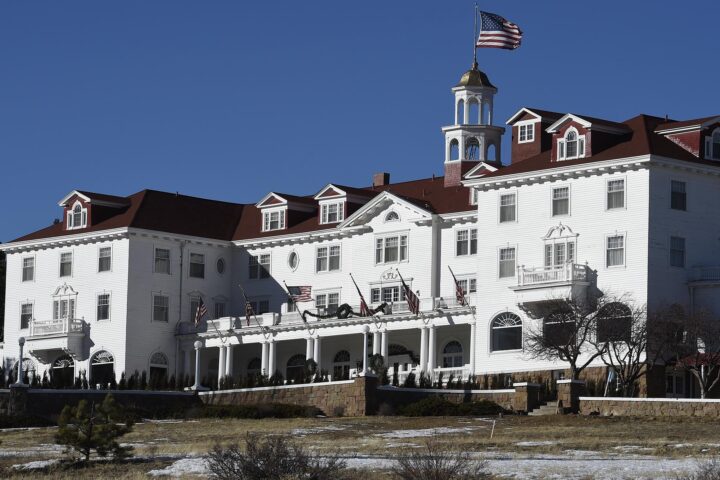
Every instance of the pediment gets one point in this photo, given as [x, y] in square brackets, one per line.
[330, 191]
[479, 170]
[559, 231]
[272, 199]
[72, 197]
[64, 289]
[380, 204]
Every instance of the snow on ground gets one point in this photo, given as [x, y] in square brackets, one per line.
[424, 432]
[184, 466]
[535, 444]
[34, 451]
[36, 465]
[301, 432]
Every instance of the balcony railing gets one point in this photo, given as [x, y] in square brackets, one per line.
[568, 273]
[705, 274]
[55, 327]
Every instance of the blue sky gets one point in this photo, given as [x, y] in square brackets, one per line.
[229, 100]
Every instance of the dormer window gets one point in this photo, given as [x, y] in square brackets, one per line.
[273, 220]
[712, 145]
[571, 146]
[332, 212]
[526, 133]
[77, 217]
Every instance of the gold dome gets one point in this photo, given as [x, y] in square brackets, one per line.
[474, 78]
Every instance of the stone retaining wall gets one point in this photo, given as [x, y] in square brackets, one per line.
[650, 407]
[394, 397]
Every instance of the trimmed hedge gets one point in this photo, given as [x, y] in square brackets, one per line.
[437, 406]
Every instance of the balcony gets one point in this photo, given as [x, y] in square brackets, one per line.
[49, 339]
[706, 275]
[570, 282]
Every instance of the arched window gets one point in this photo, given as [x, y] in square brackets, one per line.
[295, 368]
[614, 323]
[254, 366]
[712, 145]
[158, 367]
[571, 146]
[473, 111]
[62, 372]
[506, 332]
[472, 149]
[29, 371]
[452, 355]
[491, 154]
[392, 217]
[454, 153]
[460, 113]
[102, 368]
[77, 217]
[341, 365]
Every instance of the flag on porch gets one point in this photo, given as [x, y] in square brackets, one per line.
[459, 291]
[412, 300]
[496, 32]
[201, 312]
[249, 312]
[300, 293]
[364, 309]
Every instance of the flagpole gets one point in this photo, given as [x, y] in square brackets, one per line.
[475, 34]
[242, 290]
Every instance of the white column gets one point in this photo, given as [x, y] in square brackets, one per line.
[317, 353]
[473, 333]
[221, 363]
[365, 351]
[309, 348]
[466, 112]
[432, 349]
[384, 347]
[423, 349]
[264, 359]
[198, 345]
[229, 361]
[271, 358]
[376, 343]
[21, 343]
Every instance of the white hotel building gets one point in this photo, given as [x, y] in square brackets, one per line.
[585, 205]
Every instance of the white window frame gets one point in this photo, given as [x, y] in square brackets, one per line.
[328, 248]
[223, 304]
[22, 268]
[381, 294]
[553, 244]
[325, 294]
[383, 237]
[169, 261]
[607, 193]
[152, 307]
[499, 251]
[297, 260]
[325, 212]
[97, 306]
[260, 266]
[32, 313]
[562, 145]
[72, 266]
[469, 241]
[569, 200]
[685, 185]
[500, 205]
[684, 252]
[71, 225]
[100, 249]
[190, 264]
[529, 128]
[474, 195]
[267, 220]
[468, 283]
[710, 153]
[625, 249]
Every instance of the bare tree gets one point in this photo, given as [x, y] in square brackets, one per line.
[697, 349]
[564, 334]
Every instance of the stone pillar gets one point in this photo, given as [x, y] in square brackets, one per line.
[365, 350]
[569, 391]
[229, 361]
[19, 379]
[317, 353]
[384, 347]
[308, 348]
[473, 337]
[271, 358]
[264, 359]
[423, 348]
[527, 396]
[432, 350]
[221, 363]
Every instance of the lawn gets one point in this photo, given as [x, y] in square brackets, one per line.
[520, 447]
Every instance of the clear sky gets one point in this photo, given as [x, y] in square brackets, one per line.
[230, 100]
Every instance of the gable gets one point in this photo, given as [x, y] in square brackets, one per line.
[271, 200]
[330, 192]
[381, 204]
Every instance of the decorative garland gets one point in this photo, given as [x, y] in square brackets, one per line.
[343, 311]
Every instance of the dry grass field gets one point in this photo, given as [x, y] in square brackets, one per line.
[520, 447]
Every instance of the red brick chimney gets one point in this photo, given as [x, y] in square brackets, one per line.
[380, 179]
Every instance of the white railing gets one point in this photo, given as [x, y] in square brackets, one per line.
[55, 327]
[570, 272]
[705, 274]
[455, 372]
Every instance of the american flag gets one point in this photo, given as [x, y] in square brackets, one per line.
[301, 293]
[459, 291]
[364, 309]
[249, 312]
[201, 312]
[496, 32]
[412, 300]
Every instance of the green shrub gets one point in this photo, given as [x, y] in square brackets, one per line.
[437, 406]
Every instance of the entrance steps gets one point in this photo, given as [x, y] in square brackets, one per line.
[544, 409]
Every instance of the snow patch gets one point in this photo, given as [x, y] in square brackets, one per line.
[184, 466]
[301, 432]
[36, 465]
[425, 432]
[536, 444]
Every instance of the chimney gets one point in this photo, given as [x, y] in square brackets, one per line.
[380, 179]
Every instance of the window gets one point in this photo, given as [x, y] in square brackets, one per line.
[506, 332]
[678, 195]
[452, 355]
[526, 133]
[28, 269]
[327, 303]
[616, 251]
[469, 285]
[220, 265]
[260, 306]
[162, 260]
[712, 145]
[64, 309]
[332, 212]
[219, 309]
[104, 259]
[614, 323]
[507, 262]
[103, 306]
[560, 201]
[66, 264]
[161, 304]
[615, 194]
[507, 208]
[391, 249]
[259, 266]
[466, 242]
[327, 259]
[571, 146]
[293, 260]
[341, 365]
[559, 328]
[677, 252]
[392, 217]
[197, 265]
[559, 253]
[386, 294]
[77, 217]
[473, 196]
[274, 220]
[158, 367]
[26, 315]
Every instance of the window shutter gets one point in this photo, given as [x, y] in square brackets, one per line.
[581, 146]
[708, 148]
[561, 149]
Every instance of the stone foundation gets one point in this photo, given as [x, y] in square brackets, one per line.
[650, 407]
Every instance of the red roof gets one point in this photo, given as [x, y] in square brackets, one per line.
[669, 124]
